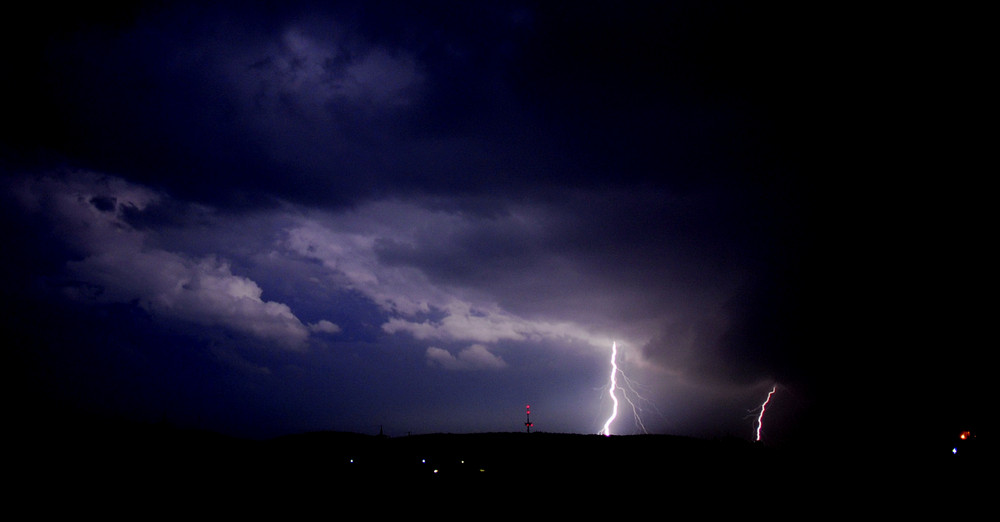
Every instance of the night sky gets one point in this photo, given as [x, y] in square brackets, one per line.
[299, 216]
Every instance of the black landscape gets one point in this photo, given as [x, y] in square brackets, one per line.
[116, 466]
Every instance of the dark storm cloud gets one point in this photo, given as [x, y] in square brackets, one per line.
[697, 266]
[416, 190]
[244, 105]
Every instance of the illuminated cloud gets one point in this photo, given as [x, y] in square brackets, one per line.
[117, 265]
[324, 326]
[475, 357]
[353, 247]
[201, 291]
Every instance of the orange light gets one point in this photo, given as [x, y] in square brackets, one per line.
[964, 435]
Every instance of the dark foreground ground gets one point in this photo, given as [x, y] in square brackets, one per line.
[140, 470]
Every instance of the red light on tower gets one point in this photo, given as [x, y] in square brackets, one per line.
[527, 418]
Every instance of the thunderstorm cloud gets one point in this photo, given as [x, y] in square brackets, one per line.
[239, 214]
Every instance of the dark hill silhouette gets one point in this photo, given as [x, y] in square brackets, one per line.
[125, 465]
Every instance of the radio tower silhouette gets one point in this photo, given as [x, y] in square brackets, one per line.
[527, 418]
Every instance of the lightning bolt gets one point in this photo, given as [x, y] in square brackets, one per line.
[760, 418]
[611, 390]
[628, 391]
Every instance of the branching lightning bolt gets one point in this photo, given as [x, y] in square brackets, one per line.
[629, 387]
[628, 391]
[760, 418]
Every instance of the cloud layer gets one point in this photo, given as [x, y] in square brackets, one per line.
[320, 202]
[118, 264]
[475, 357]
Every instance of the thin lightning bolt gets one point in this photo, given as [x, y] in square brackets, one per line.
[635, 408]
[760, 418]
[611, 391]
